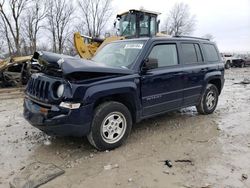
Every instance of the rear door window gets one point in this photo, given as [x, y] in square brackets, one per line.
[198, 52]
[210, 52]
[191, 53]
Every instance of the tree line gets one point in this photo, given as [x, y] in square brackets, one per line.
[50, 23]
[30, 25]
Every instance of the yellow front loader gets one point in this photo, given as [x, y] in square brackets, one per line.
[87, 46]
[131, 24]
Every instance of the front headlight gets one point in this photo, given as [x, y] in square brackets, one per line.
[60, 90]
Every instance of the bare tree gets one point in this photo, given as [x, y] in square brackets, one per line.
[209, 36]
[5, 35]
[60, 15]
[180, 21]
[43, 47]
[1, 46]
[70, 47]
[35, 14]
[95, 14]
[12, 20]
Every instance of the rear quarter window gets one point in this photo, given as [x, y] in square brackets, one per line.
[211, 53]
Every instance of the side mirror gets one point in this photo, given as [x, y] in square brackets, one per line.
[150, 63]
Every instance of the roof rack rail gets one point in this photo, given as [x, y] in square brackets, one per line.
[183, 36]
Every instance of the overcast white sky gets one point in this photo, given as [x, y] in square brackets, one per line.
[227, 20]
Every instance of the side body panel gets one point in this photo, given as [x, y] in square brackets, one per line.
[161, 88]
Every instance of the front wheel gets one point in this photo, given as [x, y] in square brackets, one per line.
[111, 126]
[209, 100]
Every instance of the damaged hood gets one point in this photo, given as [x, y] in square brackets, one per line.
[69, 64]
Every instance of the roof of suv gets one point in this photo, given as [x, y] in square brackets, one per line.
[176, 38]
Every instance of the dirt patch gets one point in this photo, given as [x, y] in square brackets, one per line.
[205, 151]
[35, 174]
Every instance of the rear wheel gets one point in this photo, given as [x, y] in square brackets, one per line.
[209, 100]
[111, 126]
[227, 65]
[242, 64]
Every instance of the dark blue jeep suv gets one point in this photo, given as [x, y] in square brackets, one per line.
[125, 82]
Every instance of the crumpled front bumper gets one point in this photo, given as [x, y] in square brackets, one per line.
[55, 120]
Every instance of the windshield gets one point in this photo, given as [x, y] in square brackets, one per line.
[119, 54]
[127, 25]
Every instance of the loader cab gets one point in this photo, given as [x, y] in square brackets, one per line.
[138, 23]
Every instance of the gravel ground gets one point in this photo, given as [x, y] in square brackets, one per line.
[215, 148]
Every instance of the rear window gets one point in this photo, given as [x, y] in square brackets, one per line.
[191, 53]
[210, 52]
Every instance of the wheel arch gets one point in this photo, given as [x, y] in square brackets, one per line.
[126, 99]
[217, 83]
[123, 92]
[216, 79]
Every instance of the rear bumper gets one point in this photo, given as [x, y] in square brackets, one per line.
[55, 120]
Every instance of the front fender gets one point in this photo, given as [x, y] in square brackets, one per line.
[99, 91]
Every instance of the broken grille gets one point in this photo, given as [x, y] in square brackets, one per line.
[38, 88]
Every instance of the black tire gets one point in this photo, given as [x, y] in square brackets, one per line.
[242, 64]
[203, 107]
[105, 110]
[227, 65]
